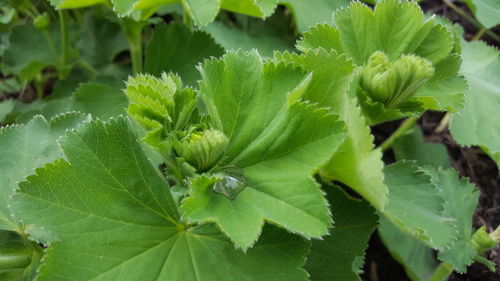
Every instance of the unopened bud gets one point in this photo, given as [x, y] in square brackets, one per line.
[203, 149]
[393, 83]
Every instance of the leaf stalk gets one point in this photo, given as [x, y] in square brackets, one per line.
[405, 126]
[442, 272]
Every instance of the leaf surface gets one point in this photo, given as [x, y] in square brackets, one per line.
[332, 258]
[417, 258]
[274, 140]
[312, 12]
[185, 49]
[477, 124]
[110, 215]
[355, 162]
[24, 148]
[416, 205]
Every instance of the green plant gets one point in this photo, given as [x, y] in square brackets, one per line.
[217, 164]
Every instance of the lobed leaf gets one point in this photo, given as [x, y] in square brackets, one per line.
[416, 205]
[333, 258]
[109, 214]
[355, 162]
[22, 153]
[274, 140]
[185, 49]
[482, 101]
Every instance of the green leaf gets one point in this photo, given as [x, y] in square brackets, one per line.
[265, 36]
[416, 205]
[19, 258]
[355, 162]
[460, 201]
[332, 258]
[459, 196]
[416, 257]
[101, 40]
[445, 90]
[256, 8]
[103, 99]
[486, 11]
[202, 11]
[312, 12]
[185, 49]
[117, 217]
[30, 50]
[72, 4]
[476, 125]
[6, 107]
[411, 146]
[24, 148]
[274, 141]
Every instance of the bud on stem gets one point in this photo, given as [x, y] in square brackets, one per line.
[393, 83]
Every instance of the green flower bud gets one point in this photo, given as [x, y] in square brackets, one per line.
[393, 83]
[483, 241]
[203, 149]
[42, 21]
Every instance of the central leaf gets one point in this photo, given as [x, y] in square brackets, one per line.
[109, 215]
[275, 139]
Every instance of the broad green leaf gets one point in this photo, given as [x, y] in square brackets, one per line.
[459, 197]
[101, 40]
[416, 205]
[477, 124]
[264, 36]
[312, 12]
[24, 148]
[417, 258]
[202, 11]
[411, 146]
[19, 258]
[72, 4]
[180, 55]
[486, 11]
[460, 201]
[30, 50]
[117, 218]
[103, 99]
[355, 162]
[332, 258]
[274, 140]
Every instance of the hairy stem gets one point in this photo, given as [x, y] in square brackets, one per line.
[407, 124]
[470, 19]
[442, 272]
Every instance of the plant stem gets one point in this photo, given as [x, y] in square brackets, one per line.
[471, 20]
[187, 20]
[479, 34]
[407, 124]
[443, 124]
[442, 272]
[63, 22]
[133, 32]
